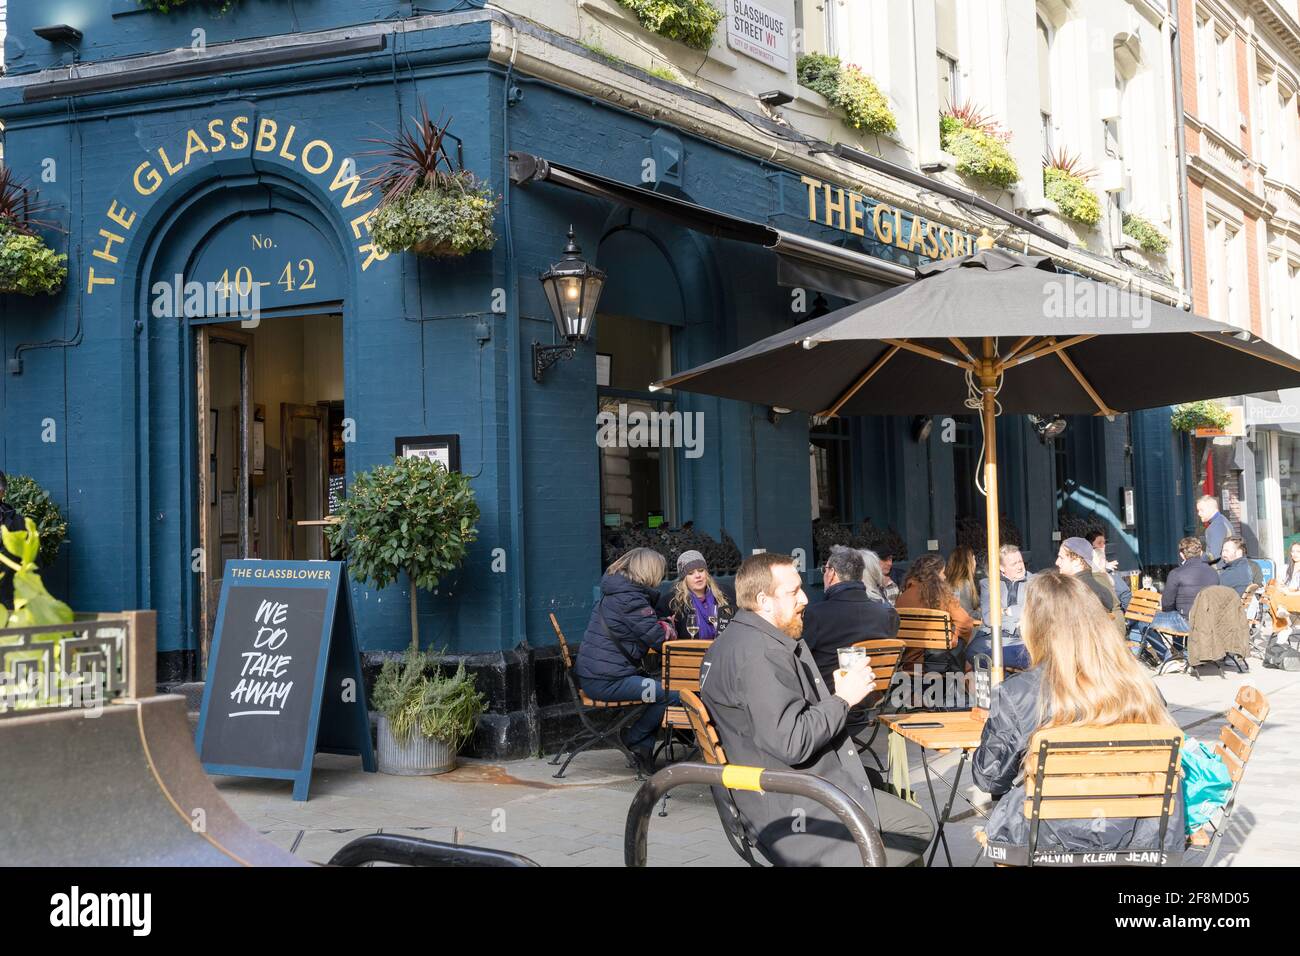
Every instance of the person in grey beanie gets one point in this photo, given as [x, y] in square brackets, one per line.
[700, 606]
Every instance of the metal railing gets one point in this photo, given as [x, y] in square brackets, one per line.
[414, 851]
[755, 779]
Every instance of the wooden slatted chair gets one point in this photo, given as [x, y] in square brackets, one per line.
[1245, 720]
[1082, 773]
[1174, 641]
[680, 670]
[929, 636]
[706, 735]
[884, 655]
[590, 735]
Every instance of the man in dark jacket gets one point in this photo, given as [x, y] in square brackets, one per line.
[1217, 529]
[847, 615]
[1186, 581]
[773, 710]
[1235, 571]
[13, 521]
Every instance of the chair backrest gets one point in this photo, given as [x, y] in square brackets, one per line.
[681, 671]
[1237, 737]
[705, 733]
[884, 654]
[1117, 772]
[1143, 606]
[564, 645]
[922, 628]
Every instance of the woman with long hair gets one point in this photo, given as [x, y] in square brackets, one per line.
[926, 586]
[960, 572]
[1081, 674]
[1292, 580]
[625, 625]
[698, 601]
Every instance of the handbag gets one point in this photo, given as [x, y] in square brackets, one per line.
[1206, 783]
[1282, 657]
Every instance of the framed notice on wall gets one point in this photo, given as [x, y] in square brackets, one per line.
[441, 448]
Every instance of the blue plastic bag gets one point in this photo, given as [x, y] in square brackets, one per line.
[1206, 783]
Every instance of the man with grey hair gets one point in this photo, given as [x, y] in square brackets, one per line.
[847, 614]
[1011, 581]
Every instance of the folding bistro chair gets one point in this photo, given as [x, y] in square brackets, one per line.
[680, 671]
[884, 655]
[590, 735]
[930, 640]
[1166, 645]
[1098, 773]
[1245, 720]
[1143, 606]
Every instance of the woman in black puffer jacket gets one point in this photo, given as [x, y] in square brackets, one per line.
[624, 625]
[1081, 675]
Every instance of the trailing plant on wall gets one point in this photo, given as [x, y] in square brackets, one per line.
[1145, 232]
[692, 22]
[32, 501]
[849, 90]
[411, 516]
[27, 265]
[1203, 414]
[167, 6]
[429, 206]
[979, 145]
[1065, 182]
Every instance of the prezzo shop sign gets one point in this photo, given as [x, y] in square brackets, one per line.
[860, 215]
[228, 135]
[759, 33]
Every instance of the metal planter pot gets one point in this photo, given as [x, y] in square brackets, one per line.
[419, 756]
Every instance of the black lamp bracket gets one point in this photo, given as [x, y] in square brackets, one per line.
[544, 356]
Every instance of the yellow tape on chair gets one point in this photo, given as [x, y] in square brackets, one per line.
[735, 777]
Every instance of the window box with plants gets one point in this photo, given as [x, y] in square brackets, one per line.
[850, 91]
[1065, 182]
[425, 714]
[1148, 236]
[429, 206]
[27, 265]
[979, 146]
[689, 22]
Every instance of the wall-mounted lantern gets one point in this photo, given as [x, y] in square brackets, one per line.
[572, 288]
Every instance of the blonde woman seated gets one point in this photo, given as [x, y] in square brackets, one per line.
[1081, 674]
[700, 607]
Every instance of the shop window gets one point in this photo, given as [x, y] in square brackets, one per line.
[638, 458]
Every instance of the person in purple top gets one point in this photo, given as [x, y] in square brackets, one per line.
[698, 601]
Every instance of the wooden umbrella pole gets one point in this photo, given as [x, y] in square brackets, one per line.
[988, 382]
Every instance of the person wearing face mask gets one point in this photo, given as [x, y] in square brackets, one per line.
[698, 601]
[772, 710]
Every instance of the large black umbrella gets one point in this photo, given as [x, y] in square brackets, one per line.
[996, 332]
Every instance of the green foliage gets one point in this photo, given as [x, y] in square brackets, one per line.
[451, 217]
[32, 501]
[412, 515]
[1072, 196]
[415, 695]
[1202, 414]
[665, 73]
[692, 22]
[27, 265]
[980, 155]
[33, 605]
[167, 6]
[1148, 236]
[849, 90]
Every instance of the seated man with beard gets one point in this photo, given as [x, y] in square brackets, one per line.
[773, 710]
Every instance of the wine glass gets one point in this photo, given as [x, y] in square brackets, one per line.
[692, 629]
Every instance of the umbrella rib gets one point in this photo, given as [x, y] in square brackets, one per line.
[1046, 347]
[1018, 346]
[961, 347]
[862, 380]
[930, 353]
[1102, 407]
[1232, 344]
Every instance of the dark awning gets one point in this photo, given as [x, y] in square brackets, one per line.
[805, 262]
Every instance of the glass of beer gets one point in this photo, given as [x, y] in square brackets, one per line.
[849, 656]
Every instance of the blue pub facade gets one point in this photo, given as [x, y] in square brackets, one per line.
[130, 407]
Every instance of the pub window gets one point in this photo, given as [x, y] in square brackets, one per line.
[638, 470]
[830, 464]
[946, 56]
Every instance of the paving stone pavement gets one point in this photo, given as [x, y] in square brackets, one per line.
[579, 821]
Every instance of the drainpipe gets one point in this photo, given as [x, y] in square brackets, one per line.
[1180, 143]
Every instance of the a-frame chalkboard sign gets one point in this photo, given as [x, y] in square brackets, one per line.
[284, 674]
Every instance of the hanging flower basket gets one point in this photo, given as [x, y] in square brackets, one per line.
[429, 207]
[1202, 414]
[27, 265]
